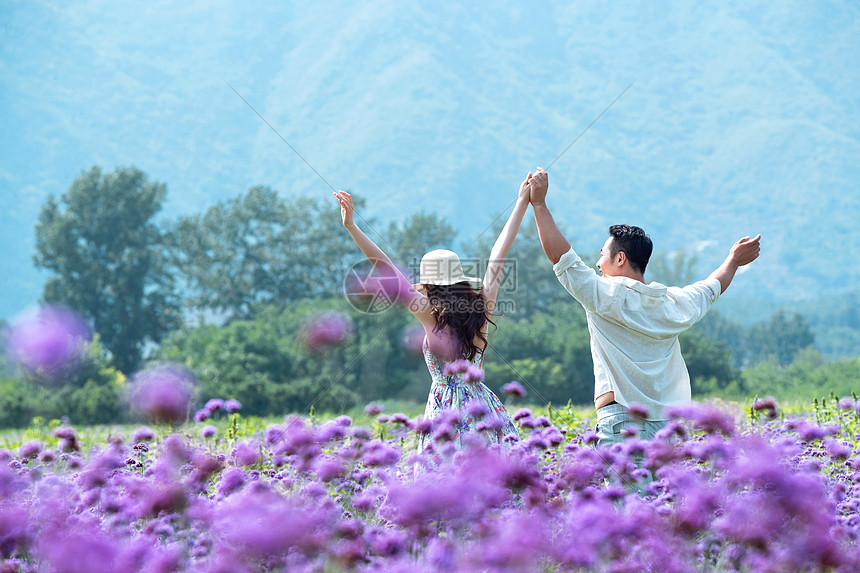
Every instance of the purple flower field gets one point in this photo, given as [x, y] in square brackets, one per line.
[717, 491]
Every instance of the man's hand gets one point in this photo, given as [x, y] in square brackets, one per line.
[742, 253]
[538, 186]
[745, 251]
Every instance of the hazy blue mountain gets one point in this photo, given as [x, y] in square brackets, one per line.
[743, 117]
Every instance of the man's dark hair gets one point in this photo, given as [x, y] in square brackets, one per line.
[635, 244]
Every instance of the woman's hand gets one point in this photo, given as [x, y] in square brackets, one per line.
[346, 208]
[525, 188]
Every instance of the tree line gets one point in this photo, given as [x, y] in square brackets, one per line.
[227, 291]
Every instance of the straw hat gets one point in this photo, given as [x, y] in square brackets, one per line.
[442, 267]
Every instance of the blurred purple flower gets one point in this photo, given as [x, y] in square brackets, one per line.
[142, 434]
[329, 469]
[247, 453]
[638, 411]
[457, 367]
[374, 409]
[514, 389]
[208, 431]
[162, 392]
[377, 453]
[201, 415]
[325, 330]
[707, 417]
[48, 340]
[232, 406]
[412, 339]
[232, 479]
[68, 439]
[213, 405]
[846, 403]
[265, 525]
[477, 409]
[30, 449]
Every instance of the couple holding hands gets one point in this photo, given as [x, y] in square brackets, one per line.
[633, 325]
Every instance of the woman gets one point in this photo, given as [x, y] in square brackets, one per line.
[456, 319]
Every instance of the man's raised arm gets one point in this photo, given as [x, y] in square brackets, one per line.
[742, 253]
[553, 242]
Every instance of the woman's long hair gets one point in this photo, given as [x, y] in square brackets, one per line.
[462, 309]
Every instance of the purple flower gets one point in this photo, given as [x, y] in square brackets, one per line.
[477, 409]
[142, 434]
[378, 454]
[522, 413]
[162, 392]
[329, 469]
[201, 415]
[846, 403]
[208, 431]
[374, 409]
[767, 405]
[30, 449]
[638, 411]
[412, 339]
[457, 367]
[48, 340]
[514, 389]
[261, 524]
[232, 405]
[232, 479]
[247, 453]
[214, 405]
[707, 417]
[326, 330]
[68, 439]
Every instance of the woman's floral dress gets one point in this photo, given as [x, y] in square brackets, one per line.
[468, 406]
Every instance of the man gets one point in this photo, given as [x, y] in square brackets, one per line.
[634, 326]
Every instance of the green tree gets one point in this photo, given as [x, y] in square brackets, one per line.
[92, 394]
[107, 260]
[529, 285]
[259, 249]
[709, 363]
[420, 233]
[264, 364]
[780, 338]
[677, 268]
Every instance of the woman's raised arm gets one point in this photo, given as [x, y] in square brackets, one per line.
[495, 265]
[406, 293]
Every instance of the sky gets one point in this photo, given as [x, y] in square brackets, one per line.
[742, 117]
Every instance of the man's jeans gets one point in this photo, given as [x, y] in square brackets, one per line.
[613, 419]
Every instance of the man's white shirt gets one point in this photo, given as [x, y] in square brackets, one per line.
[634, 331]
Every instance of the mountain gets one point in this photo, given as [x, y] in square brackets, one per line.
[742, 117]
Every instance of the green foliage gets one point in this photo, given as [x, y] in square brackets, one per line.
[106, 259]
[528, 284]
[806, 378]
[708, 362]
[548, 352]
[421, 232]
[780, 338]
[91, 394]
[260, 250]
[265, 365]
[673, 269]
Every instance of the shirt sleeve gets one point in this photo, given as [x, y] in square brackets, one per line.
[702, 295]
[580, 280]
